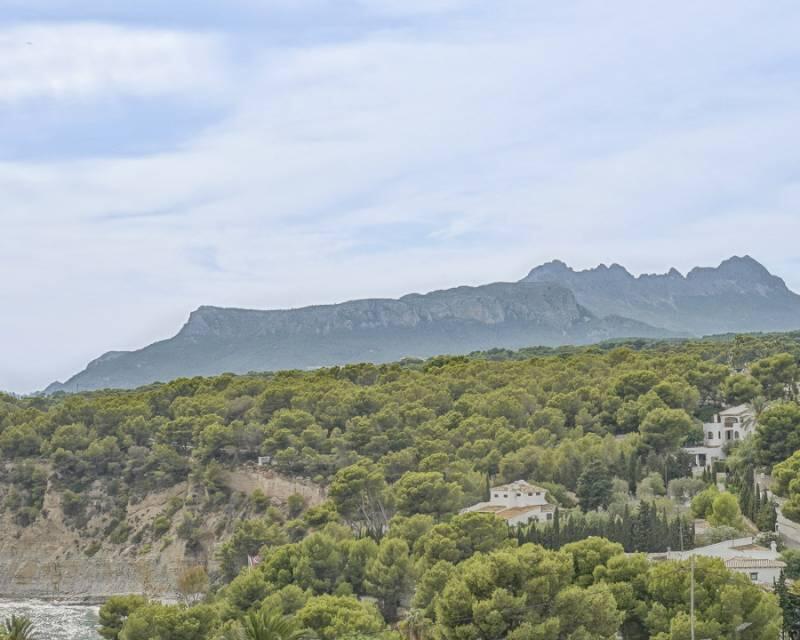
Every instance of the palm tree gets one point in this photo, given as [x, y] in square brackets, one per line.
[268, 625]
[759, 405]
[416, 626]
[17, 628]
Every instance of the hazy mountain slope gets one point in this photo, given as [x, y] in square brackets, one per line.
[456, 320]
[738, 296]
[553, 305]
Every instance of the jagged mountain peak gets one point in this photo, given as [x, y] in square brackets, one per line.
[739, 294]
[745, 267]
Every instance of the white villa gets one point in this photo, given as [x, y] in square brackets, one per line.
[730, 425]
[517, 503]
[763, 566]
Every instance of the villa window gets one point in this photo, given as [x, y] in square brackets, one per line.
[538, 493]
[754, 576]
[549, 516]
[710, 435]
[529, 493]
[505, 495]
[735, 435]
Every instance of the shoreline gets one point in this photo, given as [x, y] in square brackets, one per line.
[86, 601]
[89, 601]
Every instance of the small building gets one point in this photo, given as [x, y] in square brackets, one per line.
[763, 571]
[730, 425]
[517, 503]
[762, 565]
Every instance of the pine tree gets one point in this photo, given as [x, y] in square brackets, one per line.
[594, 486]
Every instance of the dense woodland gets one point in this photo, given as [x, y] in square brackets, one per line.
[401, 449]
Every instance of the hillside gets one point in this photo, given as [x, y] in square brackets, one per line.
[553, 305]
[367, 470]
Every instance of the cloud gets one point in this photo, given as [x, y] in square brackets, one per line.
[414, 7]
[459, 146]
[81, 61]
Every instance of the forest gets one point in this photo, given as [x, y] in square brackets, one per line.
[401, 449]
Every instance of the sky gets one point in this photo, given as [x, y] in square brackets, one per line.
[158, 156]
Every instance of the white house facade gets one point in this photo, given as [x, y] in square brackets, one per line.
[731, 425]
[761, 565]
[517, 503]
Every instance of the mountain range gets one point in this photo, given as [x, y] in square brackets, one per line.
[552, 305]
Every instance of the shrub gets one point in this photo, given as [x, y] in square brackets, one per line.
[160, 526]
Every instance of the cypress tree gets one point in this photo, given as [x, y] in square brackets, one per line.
[653, 529]
[633, 472]
[627, 529]
[790, 605]
[755, 509]
[556, 528]
[675, 534]
[641, 528]
[621, 466]
[664, 540]
[746, 500]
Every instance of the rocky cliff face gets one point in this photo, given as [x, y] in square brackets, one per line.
[51, 560]
[545, 304]
[46, 561]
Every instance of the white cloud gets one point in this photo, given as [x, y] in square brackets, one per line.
[86, 60]
[414, 7]
[406, 160]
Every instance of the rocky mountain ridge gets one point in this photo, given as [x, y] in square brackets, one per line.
[740, 295]
[553, 305]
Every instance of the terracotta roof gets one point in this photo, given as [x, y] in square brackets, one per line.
[754, 563]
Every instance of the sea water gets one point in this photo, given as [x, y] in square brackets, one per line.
[54, 621]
